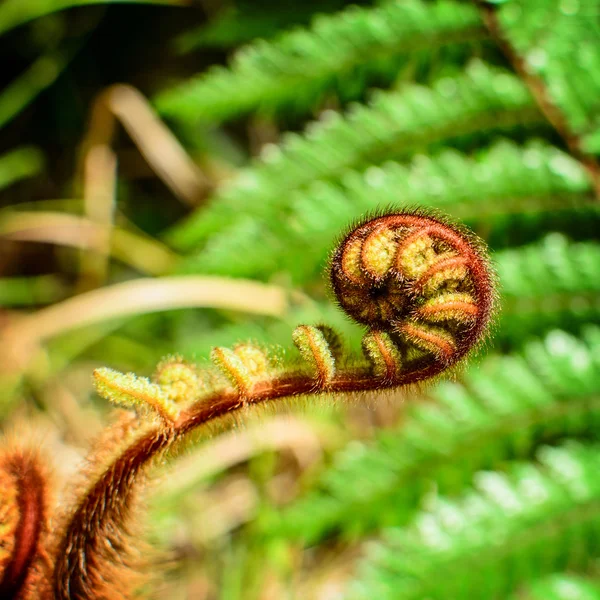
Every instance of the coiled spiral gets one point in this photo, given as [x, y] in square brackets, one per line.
[423, 287]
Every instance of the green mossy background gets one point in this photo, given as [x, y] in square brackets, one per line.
[297, 119]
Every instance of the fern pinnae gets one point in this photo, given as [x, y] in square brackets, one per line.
[518, 516]
[383, 272]
[567, 267]
[481, 98]
[571, 294]
[272, 74]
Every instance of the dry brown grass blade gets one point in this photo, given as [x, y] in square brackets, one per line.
[140, 296]
[100, 183]
[161, 149]
[144, 254]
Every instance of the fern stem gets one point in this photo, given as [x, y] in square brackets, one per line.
[26, 518]
[575, 31]
[107, 504]
[476, 423]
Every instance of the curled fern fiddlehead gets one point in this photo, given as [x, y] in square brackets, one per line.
[422, 286]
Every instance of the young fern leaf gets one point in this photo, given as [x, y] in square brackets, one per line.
[425, 283]
[418, 280]
[315, 347]
[243, 366]
[469, 548]
[273, 74]
[129, 390]
[394, 122]
[178, 379]
[570, 270]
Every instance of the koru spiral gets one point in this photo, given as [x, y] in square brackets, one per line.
[423, 287]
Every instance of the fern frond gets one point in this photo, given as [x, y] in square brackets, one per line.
[569, 297]
[500, 179]
[557, 43]
[481, 98]
[503, 408]
[470, 548]
[572, 299]
[564, 267]
[302, 65]
[560, 587]
[578, 219]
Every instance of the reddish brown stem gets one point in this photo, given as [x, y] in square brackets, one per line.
[31, 506]
[537, 87]
[107, 504]
[101, 513]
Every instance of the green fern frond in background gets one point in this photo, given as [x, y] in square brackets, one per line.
[501, 180]
[301, 66]
[551, 37]
[480, 99]
[248, 20]
[506, 531]
[570, 294]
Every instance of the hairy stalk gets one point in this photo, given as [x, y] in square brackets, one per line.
[23, 516]
[423, 288]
